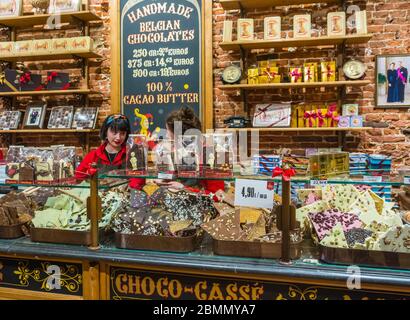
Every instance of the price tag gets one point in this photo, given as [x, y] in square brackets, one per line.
[373, 178]
[320, 183]
[406, 180]
[5, 129]
[165, 176]
[253, 193]
[80, 128]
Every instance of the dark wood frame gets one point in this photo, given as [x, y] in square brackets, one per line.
[404, 105]
[41, 105]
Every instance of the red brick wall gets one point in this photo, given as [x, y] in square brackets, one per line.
[99, 73]
[389, 20]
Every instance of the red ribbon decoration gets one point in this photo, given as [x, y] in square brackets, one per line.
[321, 118]
[329, 71]
[330, 115]
[271, 75]
[310, 115]
[25, 78]
[92, 171]
[51, 76]
[262, 112]
[286, 174]
[295, 73]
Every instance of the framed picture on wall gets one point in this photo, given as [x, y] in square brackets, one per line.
[57, 6]
[392, 81]
[34, 116]
[10, 8]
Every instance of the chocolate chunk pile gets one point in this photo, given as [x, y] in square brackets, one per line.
[160, 212]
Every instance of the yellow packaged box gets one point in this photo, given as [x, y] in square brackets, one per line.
[80, 44]
[332, 115]
[263, 75]
[310, 72]
[60, 45]
[43, 46]
[299, 113]
[253, 76]
[310, 116]
[328, 71]
[7, 49]
[274, 75]
[23, 48]
[321, 116]
[295, 75]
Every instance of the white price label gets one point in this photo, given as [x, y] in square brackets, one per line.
[165, 176]
[318, 182]
[373, 178]
[406, 180]
[253, 193]
[5, 129]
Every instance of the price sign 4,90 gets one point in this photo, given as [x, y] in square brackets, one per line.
[253, 193]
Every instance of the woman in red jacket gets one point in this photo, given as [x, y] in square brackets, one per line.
[189, 120]
[111, 155]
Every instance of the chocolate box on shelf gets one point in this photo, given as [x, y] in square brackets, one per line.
[30, 82]
[60, 45]
[23, 48]
[58, 81]
[43, 46]
[80, 44]
[7, 49]
[9, 81]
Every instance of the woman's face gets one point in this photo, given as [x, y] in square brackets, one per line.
[116, 139]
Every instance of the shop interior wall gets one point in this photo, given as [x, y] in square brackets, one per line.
[388, 20]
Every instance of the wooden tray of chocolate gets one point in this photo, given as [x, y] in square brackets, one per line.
[60, 236]
[253, 249]
[157, 243]
[370, 258]
[11, 232]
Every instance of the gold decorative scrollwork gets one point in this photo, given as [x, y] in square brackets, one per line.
[69, 277]
[295, 293]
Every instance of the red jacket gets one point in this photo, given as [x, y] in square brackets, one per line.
[100, 157]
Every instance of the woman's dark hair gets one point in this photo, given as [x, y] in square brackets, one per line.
[117, 122]
[188, 118]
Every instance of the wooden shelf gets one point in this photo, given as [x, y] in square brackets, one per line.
[41, 19]
[49, 131]
[305, 42]
[251, 4]
[295, 129]
[295, 85]
[46, 92]
[87, 55]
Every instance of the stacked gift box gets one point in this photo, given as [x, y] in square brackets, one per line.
[379, 164]
[383, 191]
[358, 163]
[329, 164]
[318, 115]
[294, 187]
[265, 164]
[299, 163]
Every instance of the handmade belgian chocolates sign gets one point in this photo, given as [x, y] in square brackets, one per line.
[161, 45]
[140, 284]
[43, 276]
